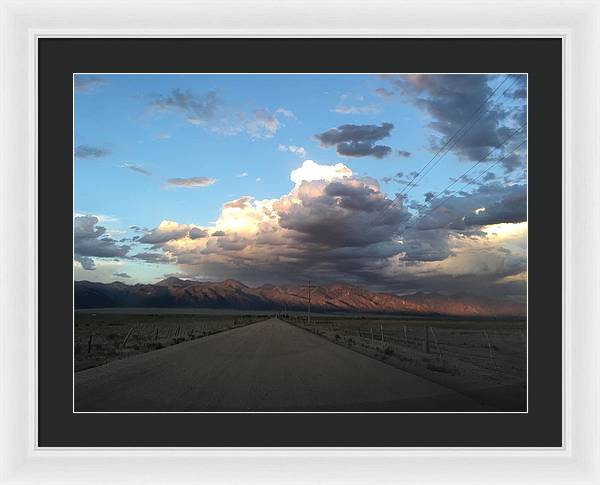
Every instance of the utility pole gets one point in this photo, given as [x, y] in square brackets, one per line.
[308, 299]
[309, 302]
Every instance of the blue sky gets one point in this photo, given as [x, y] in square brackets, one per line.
[229, 136]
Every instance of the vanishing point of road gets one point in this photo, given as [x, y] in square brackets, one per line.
[266, 366]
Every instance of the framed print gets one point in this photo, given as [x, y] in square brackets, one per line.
[275, 253]
[326, 265]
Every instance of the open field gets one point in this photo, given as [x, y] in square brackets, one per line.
[104, 335]
[484, 359]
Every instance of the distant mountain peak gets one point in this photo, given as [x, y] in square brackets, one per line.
[337, 297]
[173, 281]
[233, 283]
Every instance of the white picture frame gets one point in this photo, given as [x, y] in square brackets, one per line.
[576, 22]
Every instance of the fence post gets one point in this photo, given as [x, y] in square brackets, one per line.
[127, 337]
[426, 339]
[381, 329]
[156, 333]
[405, 336]
[489, 343]
[90, 343]
[371, 335]
[437, 345]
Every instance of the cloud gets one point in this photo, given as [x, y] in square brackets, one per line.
[311, 170]
[403, 153]
[357, 140]
[191, 182]
[86, 262]
[300, 151]
[88, 151]
[91, 241]
[487, 204]
[384, 93]
[87, 84]
[198, 109]
[285, 112]
[240, 203]
[398, 178]
[136, 168]
[328, 210]
[242, 174]
[197, 233]
[162, 136]
[261, 124]
[166, 231]
[336, 226]
[210, 111]
[155, 258]
[368, 109]
[121, 275]
[450, 101]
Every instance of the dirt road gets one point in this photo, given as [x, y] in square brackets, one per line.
[266, 366]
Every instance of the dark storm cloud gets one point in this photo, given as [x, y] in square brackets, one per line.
[88, 84]
[362, 149]
[451, 100]
[354, 133]
[86, 262]
[88, 151]
[346, 230]
[512, 208]
[347, 213]
[357, 140]
[487, 204]
[90, 241]
[425, 245]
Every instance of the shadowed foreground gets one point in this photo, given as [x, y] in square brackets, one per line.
[266, 366]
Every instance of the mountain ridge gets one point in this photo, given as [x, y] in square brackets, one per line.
[173, 292]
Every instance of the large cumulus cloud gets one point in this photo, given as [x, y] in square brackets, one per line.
[336, 226]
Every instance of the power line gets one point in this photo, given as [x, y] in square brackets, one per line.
[437, 206]
[481, 160]
[411, 184]
[452, 138]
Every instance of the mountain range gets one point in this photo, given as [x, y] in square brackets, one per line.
[231, 294]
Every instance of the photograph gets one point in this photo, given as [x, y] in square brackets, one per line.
[300, 242]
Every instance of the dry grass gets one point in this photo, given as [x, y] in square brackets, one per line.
[101, 337]
[485, 359]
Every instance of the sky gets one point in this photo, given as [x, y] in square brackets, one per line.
[397, 182]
